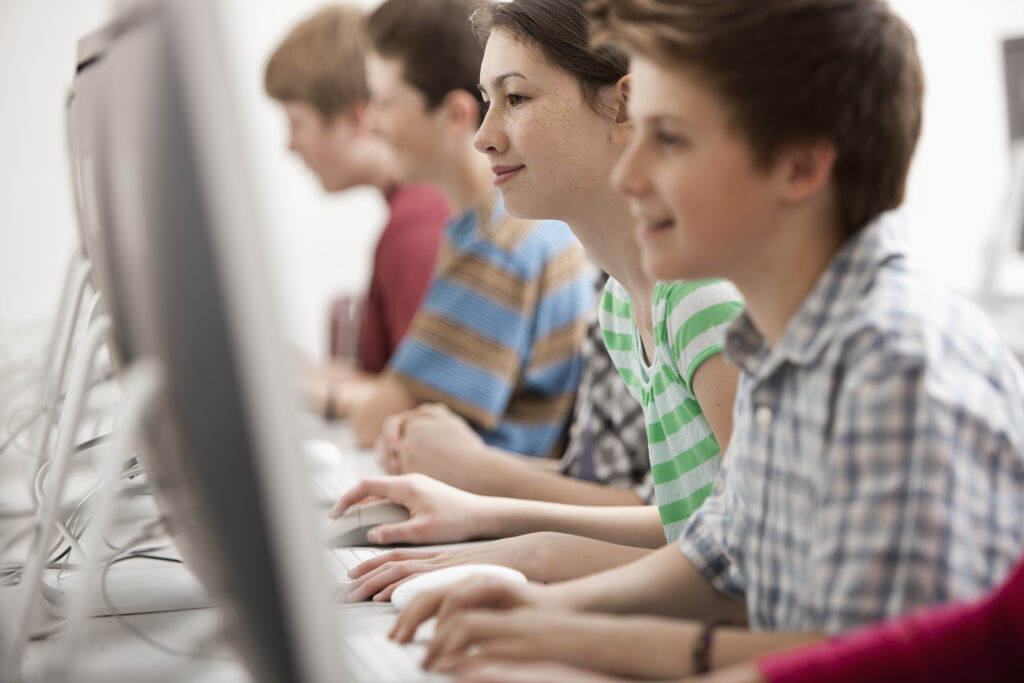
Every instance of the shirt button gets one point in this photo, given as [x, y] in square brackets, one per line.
[763, 417]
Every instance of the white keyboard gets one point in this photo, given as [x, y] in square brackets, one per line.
[374, 658]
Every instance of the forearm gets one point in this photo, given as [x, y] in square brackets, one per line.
[658, 647]
[562, 557]
[367, 417]
[514, 476]
[636, 525]
[664, 582]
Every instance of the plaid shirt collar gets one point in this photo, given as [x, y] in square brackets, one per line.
[818, 319]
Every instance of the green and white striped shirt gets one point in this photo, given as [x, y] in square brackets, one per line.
[690, 321]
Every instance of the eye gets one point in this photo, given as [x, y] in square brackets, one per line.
[484, 107]
[514, 99]
[666, 138]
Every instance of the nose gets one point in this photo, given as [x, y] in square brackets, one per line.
[630, 173]
[490, 137]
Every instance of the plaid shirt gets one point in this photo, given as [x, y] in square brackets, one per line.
[877, 456]
[608, 436]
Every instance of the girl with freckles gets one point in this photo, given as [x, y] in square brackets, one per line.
[556, 122]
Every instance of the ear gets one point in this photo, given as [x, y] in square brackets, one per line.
[623, 132]
[461, 109]
[805, 168]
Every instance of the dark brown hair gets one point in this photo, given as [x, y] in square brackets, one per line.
[561, 29]
[321, 62]
[844, 71]
[434, 42]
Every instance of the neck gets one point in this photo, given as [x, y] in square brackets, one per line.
[467, 181]
[605, 229]
[786, 268]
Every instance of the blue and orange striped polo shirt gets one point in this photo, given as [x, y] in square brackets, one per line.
[498, 334]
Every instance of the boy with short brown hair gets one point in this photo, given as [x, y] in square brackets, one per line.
[318, 75]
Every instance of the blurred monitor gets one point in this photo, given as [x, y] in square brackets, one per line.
[173, 219]
[86, 127]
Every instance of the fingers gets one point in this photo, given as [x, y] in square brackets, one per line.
[477, 633]
[422, 607]
[413, 531]
[389, 445]
[480, 591]
[443, 602]
[382, 487]
[374, 563]
[382, 584]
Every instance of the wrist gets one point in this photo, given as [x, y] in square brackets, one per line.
[502, 517]
[701, 652]
[330, 406]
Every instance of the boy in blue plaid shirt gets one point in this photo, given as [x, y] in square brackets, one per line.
[877, 456]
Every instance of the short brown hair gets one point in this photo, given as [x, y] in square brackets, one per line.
[433, 41]
[561, 29]
[845, 71]
[322, 62]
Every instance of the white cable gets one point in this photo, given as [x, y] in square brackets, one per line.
[21, 615]
[143, 381]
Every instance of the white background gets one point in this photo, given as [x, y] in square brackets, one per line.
[322, 244]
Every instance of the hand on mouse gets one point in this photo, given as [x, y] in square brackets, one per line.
[379, 576]
[438, 513]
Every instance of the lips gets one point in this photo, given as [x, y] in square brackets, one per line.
[648, 227]
[503, 174]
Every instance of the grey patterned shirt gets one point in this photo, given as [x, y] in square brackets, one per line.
[608, 436]
[877, 456]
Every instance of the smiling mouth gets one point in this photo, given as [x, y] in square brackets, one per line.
[502, 174]
[648, 228]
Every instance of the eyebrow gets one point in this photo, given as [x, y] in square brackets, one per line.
[501, 79]
[658, 118]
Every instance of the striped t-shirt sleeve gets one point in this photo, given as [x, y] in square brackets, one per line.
[497, 336]
[697, 315]
[467, 344]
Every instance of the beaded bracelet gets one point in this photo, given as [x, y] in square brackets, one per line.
[702, 649]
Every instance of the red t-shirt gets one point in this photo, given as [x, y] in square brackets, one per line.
[983, 641]
[402, 266]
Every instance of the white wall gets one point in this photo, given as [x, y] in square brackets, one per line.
[960, 172]
[322, 244]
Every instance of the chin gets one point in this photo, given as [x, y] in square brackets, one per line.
[656, 265]
[527, 210]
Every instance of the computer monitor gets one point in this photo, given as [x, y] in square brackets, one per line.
[182, 273]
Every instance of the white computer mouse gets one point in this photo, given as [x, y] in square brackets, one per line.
[446, 576]
[322, 455]
[350, 528]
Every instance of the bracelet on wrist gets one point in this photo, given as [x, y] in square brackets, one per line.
[702, 649]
